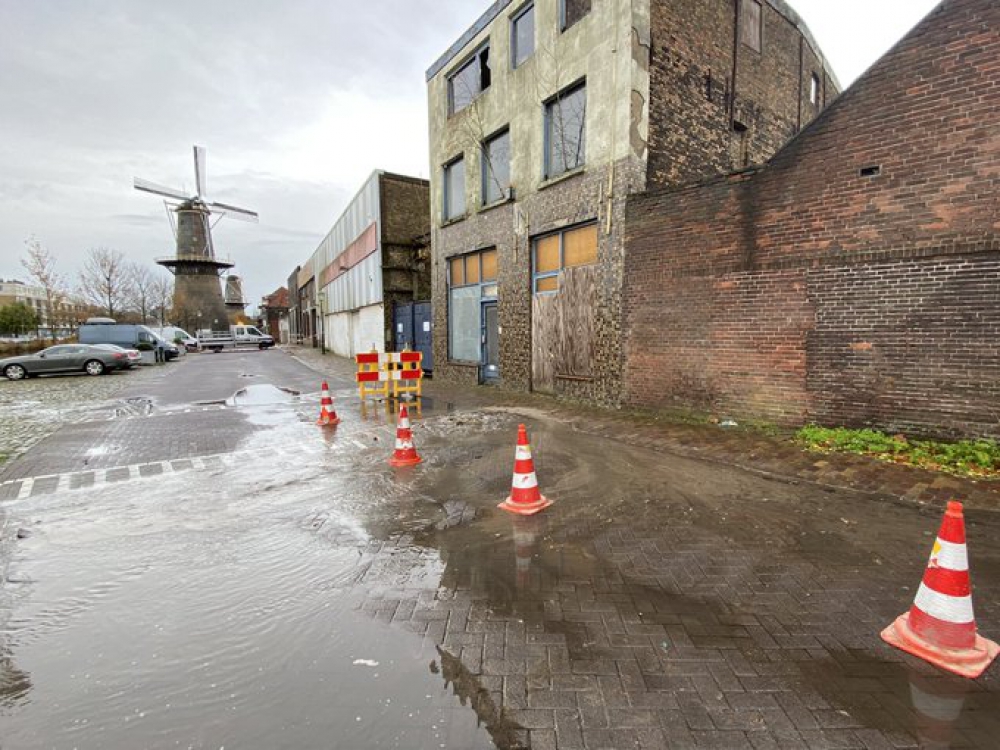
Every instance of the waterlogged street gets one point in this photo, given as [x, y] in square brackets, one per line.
[209, 569]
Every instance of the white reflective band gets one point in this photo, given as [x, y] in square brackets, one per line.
[951, 556]
[937, 707]
[403, 444]
[404, 424]
[523, 453]
[953, 609]
[525, 481]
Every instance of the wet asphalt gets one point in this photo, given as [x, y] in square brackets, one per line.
[204, 567]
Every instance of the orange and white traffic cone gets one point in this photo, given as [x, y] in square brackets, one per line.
[525, 499]
[941, 627]
[405, 454]
[525, 539]
[327, 416]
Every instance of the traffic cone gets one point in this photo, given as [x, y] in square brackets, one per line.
[525, 539]
[940, 627]
[405, 454]
[327, 416]
[525, 498]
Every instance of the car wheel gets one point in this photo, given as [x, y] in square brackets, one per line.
[94, 367]
[15, 372]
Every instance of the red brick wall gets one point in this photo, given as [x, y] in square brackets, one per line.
[805, 291]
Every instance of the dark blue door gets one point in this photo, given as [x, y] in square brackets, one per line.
[411, 327]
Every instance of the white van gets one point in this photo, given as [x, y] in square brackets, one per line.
[180, 337]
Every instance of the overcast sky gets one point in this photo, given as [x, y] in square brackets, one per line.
[296, 102]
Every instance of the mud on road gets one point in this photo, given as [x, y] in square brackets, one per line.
[297, 592]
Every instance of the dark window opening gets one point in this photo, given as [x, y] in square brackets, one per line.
[741, 145]
[469, 81]
[751, 20]
[873, 171]
[571, 11]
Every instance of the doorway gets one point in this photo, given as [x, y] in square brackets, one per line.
[491, 342]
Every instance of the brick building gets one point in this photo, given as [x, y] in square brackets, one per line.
[374, 258]
[855, 279]
[544, 117]
[274, 315]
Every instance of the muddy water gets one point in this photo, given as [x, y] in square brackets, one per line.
[323, 600]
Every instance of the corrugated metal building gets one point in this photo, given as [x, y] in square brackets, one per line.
[374, 257]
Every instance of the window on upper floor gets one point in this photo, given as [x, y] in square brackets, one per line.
[496, 168]
[522, 35]
[751, 24]
[470, 80]
[571, 11]
[454, 189]
[814, 89]
[565, 131]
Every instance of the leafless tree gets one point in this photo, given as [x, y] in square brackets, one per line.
[104, 281]
[41, 266]
[161, 294]
[140, 290]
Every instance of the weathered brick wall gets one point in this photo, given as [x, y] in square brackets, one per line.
[808, 291]
[406, 222]
[701, 81]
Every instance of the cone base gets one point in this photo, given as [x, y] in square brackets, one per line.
[969, 663]
[405, 460]
[525, 509]
[328, 421]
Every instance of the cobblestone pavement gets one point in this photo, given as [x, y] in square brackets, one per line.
[664, 601]
[31, 410]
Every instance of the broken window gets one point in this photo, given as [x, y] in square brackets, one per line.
[496, 168]
[565, 131]
[522, 36]
[571, 11]
[751, 20]
[814, 89]
[469, 81]
[565, 249]
[454, 189]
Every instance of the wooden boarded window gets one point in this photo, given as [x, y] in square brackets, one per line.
[471, 280]
[489, 265]
[751, 20]
[569, 248]
[457, 271]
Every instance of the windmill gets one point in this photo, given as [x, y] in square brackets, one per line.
[235, 303]
[198, 299]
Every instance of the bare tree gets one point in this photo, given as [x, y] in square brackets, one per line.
[104, 281]
[41, 266]
[140, 290]
[161, 293]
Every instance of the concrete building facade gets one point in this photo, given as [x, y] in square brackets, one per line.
[855, 278]
[373, 258]
[544, 117]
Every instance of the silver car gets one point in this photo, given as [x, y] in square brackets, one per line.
[134, 355]
[64, 358]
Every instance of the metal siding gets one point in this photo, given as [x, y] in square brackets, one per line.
[353, 289]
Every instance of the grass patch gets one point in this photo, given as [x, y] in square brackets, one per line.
[979, 459]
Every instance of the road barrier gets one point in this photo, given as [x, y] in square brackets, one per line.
[402, 370]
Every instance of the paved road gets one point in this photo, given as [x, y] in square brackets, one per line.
[236, 576]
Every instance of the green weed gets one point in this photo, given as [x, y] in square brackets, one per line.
[965, 458]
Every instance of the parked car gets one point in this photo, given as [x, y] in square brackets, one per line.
[236, 337]
[134, 355]
[64, 358]
[107, 331]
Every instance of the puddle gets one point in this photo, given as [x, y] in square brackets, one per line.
[264, 394]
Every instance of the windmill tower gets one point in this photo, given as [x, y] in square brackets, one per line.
[235, 302]
[198, 300]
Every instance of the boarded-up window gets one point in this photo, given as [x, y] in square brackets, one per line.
[472, 269]
[580, 247]
[457, 271]
[490, 265]
[567, 249]
[547, 254]
[571, 11]
[751, 19]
